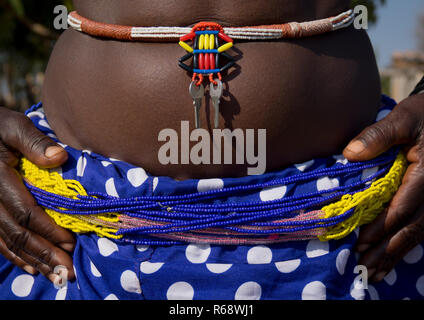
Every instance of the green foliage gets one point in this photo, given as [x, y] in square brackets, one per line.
[18, 7]
[27, 37]
[385, 85]
[17, 39]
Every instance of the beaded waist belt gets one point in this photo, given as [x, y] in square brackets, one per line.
[210, 43]
[173, 34]
[211, 217]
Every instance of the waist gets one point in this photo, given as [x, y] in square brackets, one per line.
[326, 198]
[226, 12]
[135, 90]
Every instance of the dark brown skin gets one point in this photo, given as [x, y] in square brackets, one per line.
[312, 95]
[400, 227]
[302, 91]
[28, 237]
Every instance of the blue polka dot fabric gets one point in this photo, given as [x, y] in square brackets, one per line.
[110, 270]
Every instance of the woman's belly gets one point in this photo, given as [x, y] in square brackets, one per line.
[114, 98]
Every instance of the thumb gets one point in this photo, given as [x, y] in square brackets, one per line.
[21, 135]
[397, 128]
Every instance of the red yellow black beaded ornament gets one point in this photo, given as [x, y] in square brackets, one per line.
[206, 51]
[209, 45]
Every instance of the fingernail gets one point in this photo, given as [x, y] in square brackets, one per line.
[54, 278]
[363, 247]
[356, 147]
[67, 246]
[30, 270]
[380, 276]
[52, 151]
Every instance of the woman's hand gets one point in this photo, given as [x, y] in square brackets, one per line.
[29, 238]
[401, 226]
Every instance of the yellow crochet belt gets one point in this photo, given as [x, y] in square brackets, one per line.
[367, 204]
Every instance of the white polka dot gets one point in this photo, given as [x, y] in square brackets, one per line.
[271, 194]
[420, 285]
[137, 177]
[130, 282]
[382, 114]
[391, 277]
[106, 247]
[209, 184]
[180, 291]
[314, 291]
[303, 166]
[61, 293]
[414, 255]
[218, 267]
[111, 297]
[373, 293]
[94, 270]
[288, 266]
[249, 291]
[155, 183]
[35, 114]
[316, 248]
[341, 260]
[81, 165]
[44, 124]
[259, 255]
[106, 164]
[142, 248]
[357, 290]
[367, 173]
[198, 253]
[326, 183]
[64, 146]
[22, 285]
[341, 159]
[110, 188]
[51, 135]
[149, 267]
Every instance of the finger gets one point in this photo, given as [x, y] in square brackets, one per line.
[404, 204]
[7, 156]
[9, 255]
[42, 263]
[33, 249]
[381, 258]
[20, 203]
[18, 132]
[399, 127]
[372, 233]
[414, 153]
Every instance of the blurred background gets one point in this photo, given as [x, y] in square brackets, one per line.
[398, 40]
[27, 37]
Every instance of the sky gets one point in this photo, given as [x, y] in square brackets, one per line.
[395, 29]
